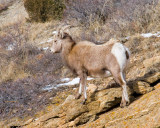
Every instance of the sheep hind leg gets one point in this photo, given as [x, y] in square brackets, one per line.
[120, 79]
[125, 99]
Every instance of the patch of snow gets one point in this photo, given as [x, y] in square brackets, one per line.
[49, 40]
[10, 47]
[147, 35]
[127, 37]
[157, 33]
[72, 82]
[46, 48]
[65, 80]
[89, 78]
[68, 81]
[49, 87]
[74, 88]
[54, 32]
[43, 42]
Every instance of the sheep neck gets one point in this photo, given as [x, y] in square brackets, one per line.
[66, 49]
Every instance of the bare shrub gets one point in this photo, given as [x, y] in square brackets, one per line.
[155, 18]
[24, 70]
[88, 11]
[25, 97]
[115, 18]
[132, 16]
[44, 10]
[4, 4]
[21, 58]
[45, 63]
[14, 35]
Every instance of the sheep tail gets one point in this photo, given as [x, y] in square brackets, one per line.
[127, 53]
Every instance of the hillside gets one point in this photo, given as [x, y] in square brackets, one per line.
[37, 90]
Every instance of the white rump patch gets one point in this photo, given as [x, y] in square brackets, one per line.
[118, 50]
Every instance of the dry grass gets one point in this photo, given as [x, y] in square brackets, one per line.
[25, 69]
[40, 32]
[20, 55]
[115, 18]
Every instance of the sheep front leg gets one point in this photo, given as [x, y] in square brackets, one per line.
[120, 79]
[82, 87]
[79, 91]
[84, 79]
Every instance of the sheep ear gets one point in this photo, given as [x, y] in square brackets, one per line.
[59, 30]
[62, 31]
[62, 35]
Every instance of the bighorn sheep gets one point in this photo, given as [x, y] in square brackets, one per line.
[88, 59]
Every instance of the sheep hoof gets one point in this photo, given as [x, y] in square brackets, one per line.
[83, 102]
[127, 103]
[121, 105]
[124, 104]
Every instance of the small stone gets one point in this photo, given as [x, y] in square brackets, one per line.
[14, 110]
[142, 87]
[28, 121]
[71, 124]
[155, 77]
[92, 88]
[69, 99]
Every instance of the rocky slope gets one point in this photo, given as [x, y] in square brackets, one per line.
[141, 113]
[102, 107]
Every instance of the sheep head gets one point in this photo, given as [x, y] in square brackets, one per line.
[59, 38]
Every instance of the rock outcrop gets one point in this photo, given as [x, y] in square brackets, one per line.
[141, 87]
[143, 112]
[102, 109]
[72, 113]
